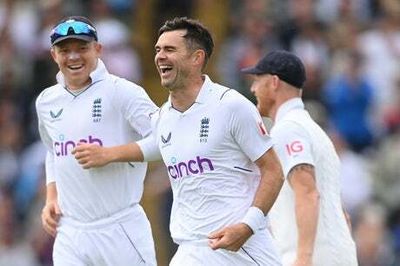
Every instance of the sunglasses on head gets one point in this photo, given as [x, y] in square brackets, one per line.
[72, 27]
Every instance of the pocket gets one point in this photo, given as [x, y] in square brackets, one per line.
[247, 253]
[138, 233]
[132, 243]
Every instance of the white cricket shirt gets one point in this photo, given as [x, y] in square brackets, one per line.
[209, 151]
[110, 111]
[298, 139]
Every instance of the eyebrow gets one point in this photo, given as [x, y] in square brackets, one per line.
[165, 47]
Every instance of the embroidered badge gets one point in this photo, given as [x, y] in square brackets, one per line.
[96, 110]
[204, 129]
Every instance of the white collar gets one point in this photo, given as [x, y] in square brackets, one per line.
[289, 105]
[203, 95]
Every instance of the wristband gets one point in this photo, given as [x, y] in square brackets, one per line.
[254, 218]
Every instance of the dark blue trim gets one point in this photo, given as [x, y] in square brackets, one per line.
[244, 169]
[223, 94]
[69, 91]
[133, 245]
[248, 254]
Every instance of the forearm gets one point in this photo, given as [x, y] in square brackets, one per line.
[51, 192]
[124, 153]
[268, 189]
[307, 212]
[271, 181]
[92, 155]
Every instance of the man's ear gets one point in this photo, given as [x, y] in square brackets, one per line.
[53, 53]
[99, 48]
[275, 82]
[199, 56]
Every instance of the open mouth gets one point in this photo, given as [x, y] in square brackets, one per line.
[165, 69]
[75, 67]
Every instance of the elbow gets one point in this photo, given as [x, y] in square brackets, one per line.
[309, 199]
[278, 174]
[276, 168]
[314, 197]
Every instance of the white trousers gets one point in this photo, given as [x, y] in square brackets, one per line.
[122, 239]
[259, 249]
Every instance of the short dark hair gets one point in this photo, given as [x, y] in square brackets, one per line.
[197, 36]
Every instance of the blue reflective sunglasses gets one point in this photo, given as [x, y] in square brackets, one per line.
[72, 27]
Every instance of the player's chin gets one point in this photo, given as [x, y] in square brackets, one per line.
[166, 84]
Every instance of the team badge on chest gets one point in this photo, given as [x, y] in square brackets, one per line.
[96, 110]
[204, 129]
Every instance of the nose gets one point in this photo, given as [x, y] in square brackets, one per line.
[159, 55]
[73, 55]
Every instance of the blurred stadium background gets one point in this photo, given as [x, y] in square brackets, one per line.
[351, 49]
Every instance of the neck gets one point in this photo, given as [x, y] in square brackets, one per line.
[272, 113]
[283, 96]
[280, 105]
[184, 97]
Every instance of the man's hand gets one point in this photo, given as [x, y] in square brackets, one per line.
[50, 216]
[230, 238]
[90, 155]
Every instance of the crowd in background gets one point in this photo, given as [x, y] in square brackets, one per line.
[351, 49]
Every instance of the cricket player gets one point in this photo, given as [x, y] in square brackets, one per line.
[94, 214]
[223, 170]
[307, 219]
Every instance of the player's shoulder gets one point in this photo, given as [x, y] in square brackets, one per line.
[160, 111]
[122, 85]
[289, 126]
[49, 94]
[231, 98]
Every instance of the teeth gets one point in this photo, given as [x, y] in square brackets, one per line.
[75, 67]
[165, 68]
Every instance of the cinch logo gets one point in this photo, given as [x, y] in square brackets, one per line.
[190, 167]
[63, 148]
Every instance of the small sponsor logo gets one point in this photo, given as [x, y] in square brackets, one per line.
[204, 129]
[64, 147]
[191, 167]
[166, 140]
[294, 147]
[57, 114]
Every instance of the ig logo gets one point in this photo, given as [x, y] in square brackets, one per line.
[294, 147]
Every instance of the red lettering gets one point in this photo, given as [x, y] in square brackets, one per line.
[294, 147]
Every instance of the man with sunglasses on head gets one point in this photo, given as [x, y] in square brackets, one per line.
[94, 214]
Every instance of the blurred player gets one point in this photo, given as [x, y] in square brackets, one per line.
[307, 219]
[224, 173]
[94, 214]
